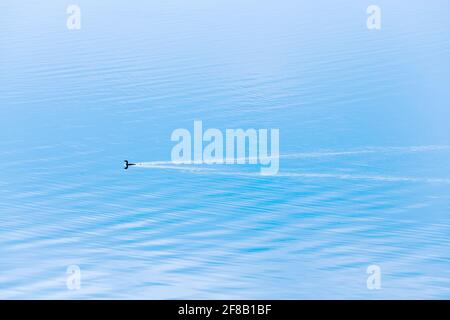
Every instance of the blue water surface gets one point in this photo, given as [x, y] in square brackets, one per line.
[364, 173]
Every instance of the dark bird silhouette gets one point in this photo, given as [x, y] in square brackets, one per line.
[127, 164]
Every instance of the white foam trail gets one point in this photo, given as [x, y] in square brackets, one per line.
[191, 167]
[169, 165]
[368, 150]
[364, 177]
[203, 170]
[316, 154]
[224, 161]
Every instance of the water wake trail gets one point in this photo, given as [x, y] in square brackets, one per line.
[315, 154]
[198, 167]
[304, 175]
